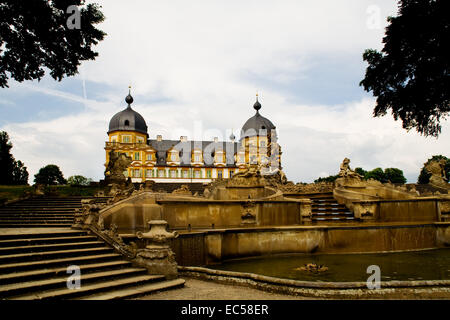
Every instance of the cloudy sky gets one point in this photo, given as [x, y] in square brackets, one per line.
[194, 68]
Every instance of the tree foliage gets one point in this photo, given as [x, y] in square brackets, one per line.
[49, 175]
[424, 176]
[78, 180]
[411, 74]
[326, 179]
[34, 35]
[393, 175]
[12, 172]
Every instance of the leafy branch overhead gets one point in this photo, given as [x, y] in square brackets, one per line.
[34, 35]
[411, 75]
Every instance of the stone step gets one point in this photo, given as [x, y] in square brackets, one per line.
[346, 213]
[48, 240]
[332, 218]
[42, 273]
[50, 247]
[90, 289]
[35, 225]
[61, 282]
[132, 292]
[37, 235]
[50, 263]
[23, 257]
[35, 218]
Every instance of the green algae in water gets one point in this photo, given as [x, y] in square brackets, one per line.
[417, 265]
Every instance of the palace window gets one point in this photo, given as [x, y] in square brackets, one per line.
[149, 173]
[219, 174]
[208, 173]
[173, 173]
[126, 139]
[149, 157]
[140, 140]
[173, 157]
[231, 173]
[197, 174]
[197, 158]
[136, 156]
[127, 123]
[185, 174]
[137, 173]
[161, 173]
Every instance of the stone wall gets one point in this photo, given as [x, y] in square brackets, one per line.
[218, 245]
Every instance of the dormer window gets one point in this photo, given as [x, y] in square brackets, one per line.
[127, 123]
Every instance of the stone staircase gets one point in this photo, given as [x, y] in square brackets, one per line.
[42, 212]
[171, 186]
[326, 208]
[34, 261]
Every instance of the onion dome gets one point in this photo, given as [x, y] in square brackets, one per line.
[128, 119]
[257, 125]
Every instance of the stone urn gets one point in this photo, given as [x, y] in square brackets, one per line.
[157, 257]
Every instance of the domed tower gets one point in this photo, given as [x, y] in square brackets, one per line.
[128, 126]
[259, 141]
[128, 134]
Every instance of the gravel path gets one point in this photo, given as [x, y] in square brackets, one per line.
[207, 290]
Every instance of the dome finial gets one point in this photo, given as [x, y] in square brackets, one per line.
[257, 105]
[129, 98]
[232, 137]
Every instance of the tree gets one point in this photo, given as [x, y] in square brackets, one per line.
[6, 159]
[394, 175]
[49, 175]
[424, 176]
[20, 173]
[360, 171]
[78, 180]
[376, 174]
[11, 171]
[326, 179]
[39, 34]
[411, 74]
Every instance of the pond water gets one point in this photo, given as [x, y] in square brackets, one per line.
[417, 265]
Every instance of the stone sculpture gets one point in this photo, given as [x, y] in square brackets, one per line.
[347, 176]
[437, 171]
[183, 190]
[157, 257]
[117, 164]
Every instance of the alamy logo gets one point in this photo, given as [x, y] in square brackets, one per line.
[374, 19]
[74, 21]
[74, 280]
[374, 281]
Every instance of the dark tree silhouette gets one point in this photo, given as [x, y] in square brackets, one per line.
[49, 175]
[411, 74]
[34, 35]
[20, 173]
[11, 171]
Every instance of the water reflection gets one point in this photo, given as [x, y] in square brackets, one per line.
[418, 265]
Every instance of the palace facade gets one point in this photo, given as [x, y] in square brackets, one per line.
[186, 160]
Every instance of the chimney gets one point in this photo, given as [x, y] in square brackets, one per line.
[159, 137]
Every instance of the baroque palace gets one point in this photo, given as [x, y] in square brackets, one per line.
[188, 161]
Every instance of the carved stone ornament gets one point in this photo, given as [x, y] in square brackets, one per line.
[157, 256]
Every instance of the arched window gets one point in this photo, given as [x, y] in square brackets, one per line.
[127, 123]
